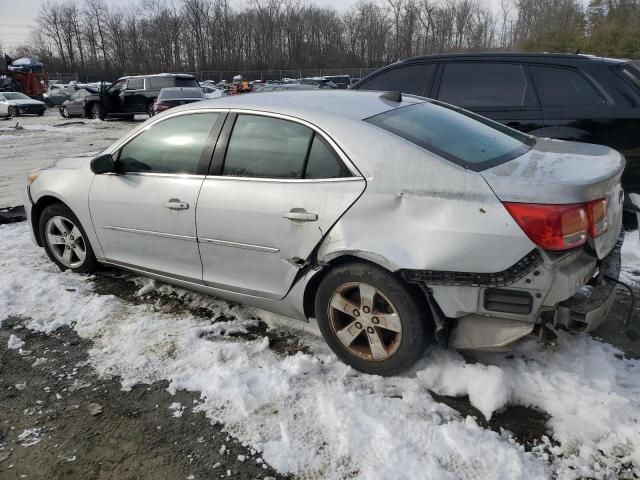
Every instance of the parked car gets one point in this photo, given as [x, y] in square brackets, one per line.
[174, 96]
[134, 95]
[76, 105]
[13, 104]
[340, 81]
[57, 94]
[569, 97]
[212, 91]
[319, 82]
[441, 223]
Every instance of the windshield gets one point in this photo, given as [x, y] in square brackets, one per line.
[174, 93]
[461, 137]
[15, 96]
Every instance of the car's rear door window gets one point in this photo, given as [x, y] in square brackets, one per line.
[464, 138]
[173, 145]
[268, 147]
[412, 79]
[474, 85]
[563, 87]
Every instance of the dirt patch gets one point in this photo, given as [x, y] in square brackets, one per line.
[47, 430]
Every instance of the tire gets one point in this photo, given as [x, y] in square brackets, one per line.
[12, 111]
[41, 113]
[59, 229]
[64, 112]
[97, 112]
[400, 346]
[150, 110]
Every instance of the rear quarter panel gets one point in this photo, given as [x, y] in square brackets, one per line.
[421, 212]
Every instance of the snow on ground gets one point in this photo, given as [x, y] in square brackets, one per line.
[311, 415]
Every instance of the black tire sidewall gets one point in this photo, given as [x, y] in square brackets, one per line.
[90, 263]
[417, 325]
[12, 111]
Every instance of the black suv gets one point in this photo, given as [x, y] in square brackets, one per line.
[569, 97]
[131, 95]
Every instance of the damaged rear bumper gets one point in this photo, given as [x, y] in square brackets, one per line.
[590, 306]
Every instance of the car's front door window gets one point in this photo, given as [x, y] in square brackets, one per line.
[174, 145]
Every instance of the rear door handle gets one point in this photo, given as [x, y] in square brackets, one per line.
[176, 204]
[300, 215]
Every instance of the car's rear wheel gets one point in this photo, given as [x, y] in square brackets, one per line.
[65, 241]
[97, 112]
[371, 319]
[12, 111]
[150, 111]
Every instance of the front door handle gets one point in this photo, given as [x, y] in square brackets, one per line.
[176, 204]
[300, 215]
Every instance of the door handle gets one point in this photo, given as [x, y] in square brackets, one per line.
[176, 204]
[300, 215]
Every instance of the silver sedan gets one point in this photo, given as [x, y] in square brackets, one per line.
[395, 222]
[13, 104]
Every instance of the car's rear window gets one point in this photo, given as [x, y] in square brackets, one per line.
[469, 140]
[169, 81]
[187, 92]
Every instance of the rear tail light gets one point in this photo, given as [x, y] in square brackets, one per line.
[560, 227]
[597, 211]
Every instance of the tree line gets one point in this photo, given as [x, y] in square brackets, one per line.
[205, 35]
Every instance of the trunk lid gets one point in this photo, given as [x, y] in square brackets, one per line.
[559, 172]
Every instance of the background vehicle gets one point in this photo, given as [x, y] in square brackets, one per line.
[568, 97]
[340, 81]
[174, 96]
[134, 95]
[57, 95]
[211, 90]
[76, 105]
[320, 82]
[421, 249]
[13, 104]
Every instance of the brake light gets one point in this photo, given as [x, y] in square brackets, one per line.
[552, 227]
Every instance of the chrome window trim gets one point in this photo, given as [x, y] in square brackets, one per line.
[343, 157]
[246, 246]
[285, 180]
[151, 233]
[186, 176]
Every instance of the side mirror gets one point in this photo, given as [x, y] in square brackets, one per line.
[102, 164]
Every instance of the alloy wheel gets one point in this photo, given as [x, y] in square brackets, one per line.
[365, 321]
[65, 112]
[12, 111]
[66, 241]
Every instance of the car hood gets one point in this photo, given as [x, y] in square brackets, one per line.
[25, 102]
[78, 161]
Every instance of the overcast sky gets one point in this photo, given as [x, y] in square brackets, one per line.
[18, 16]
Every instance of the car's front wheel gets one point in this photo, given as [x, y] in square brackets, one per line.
[371, 319]
[65, 112]
[65, 241]
[12, 111]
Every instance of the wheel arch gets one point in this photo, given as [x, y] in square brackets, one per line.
[42, 203]
[312, 285]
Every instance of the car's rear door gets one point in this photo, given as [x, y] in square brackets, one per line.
[144, 213]
[501, 91]
[277, 186]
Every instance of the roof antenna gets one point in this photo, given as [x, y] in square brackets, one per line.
[578, 51]
[393, 96]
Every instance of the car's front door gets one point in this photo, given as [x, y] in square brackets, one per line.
[261, 213]
[112, 101]
[133, 99]
[144, 212]
[500, 91]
